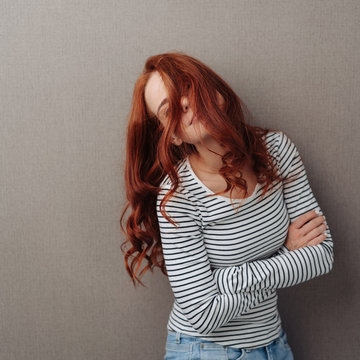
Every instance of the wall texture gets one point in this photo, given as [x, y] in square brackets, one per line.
[67, 73]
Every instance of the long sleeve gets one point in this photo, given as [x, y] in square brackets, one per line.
[286, 268]
[189, 271]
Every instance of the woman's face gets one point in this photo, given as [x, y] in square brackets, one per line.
[156, 99]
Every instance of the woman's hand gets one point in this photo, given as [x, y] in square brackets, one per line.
[307, 230]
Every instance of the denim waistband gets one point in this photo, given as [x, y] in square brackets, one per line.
[178, 336]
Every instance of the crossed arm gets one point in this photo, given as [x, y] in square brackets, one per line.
[211, 298]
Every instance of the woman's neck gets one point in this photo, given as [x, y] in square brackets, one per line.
[208, 159]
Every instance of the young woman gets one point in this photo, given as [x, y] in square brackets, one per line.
[223, 208]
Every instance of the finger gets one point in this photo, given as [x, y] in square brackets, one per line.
[319, 239]
[315, 233]
[312, 224]
[302, 219]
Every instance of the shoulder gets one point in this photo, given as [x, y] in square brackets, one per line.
[180, 168]
[278, 141]
[183, 205]
[280, 145]
[182, 194]
[283, 150]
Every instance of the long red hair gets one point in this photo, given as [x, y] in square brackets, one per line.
[150, 154]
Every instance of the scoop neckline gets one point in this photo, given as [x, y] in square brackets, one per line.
[225, 198]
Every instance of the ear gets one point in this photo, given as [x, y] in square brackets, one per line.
[176, 140]
[220, 100]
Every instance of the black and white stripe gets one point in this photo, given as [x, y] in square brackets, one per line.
[225, 264]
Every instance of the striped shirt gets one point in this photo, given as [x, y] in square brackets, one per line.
[225, 264]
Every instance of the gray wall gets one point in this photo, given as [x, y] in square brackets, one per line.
[67, 75]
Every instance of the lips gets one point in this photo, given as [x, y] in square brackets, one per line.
[193, 119]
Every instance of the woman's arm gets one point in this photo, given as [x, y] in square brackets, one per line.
[286, 268]
[189, 271]
[306, 230]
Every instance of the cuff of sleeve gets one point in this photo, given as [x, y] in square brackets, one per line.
[283, 250]
[226, 280]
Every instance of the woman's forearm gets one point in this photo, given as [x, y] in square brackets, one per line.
[284, 270]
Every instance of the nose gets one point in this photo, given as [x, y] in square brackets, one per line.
[184, 103]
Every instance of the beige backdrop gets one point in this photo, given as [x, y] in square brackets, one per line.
[67, 74]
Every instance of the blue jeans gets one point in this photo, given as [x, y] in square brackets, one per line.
[184, 347]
